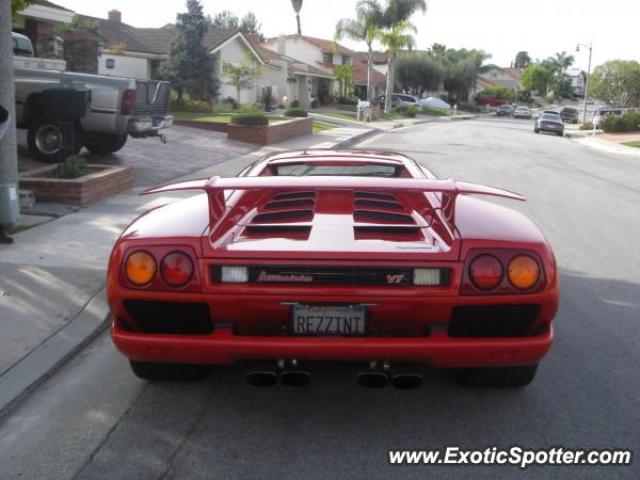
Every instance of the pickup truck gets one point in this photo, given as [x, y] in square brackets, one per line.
[117, 108]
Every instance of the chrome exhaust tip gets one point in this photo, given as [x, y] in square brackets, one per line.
[261, 378]
[295, 378]
[406, 381]
[372, 379]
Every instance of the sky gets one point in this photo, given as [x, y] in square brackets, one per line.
[499, 27]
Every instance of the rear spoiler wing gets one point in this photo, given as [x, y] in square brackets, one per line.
[450, 189]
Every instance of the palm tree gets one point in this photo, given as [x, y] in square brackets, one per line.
[365, 28]
[561, 61]
[396, 39]
[401, 10]
[297, 6]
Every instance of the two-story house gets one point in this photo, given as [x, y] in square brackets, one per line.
[325, 55]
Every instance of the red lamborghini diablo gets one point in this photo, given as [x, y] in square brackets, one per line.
[332, 255]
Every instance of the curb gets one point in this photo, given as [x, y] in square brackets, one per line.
[53, 353]
[349, 142]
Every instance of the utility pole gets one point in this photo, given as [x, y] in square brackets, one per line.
[9, 204]
[586, 82]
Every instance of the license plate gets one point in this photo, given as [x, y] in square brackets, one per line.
[329, 320]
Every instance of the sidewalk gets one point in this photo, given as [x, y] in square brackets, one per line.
[384, 125]
[609, 143]
[52, 298]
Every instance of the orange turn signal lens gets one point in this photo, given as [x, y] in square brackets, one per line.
[523, 272]
[140, 268]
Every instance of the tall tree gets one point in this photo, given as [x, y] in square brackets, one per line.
[250, 24]
[522, 59]
[397, 11]
[344, 75]
[560, 62]
[297, 6]
[190, 68]
[226, 19]
[396, 39]
[242, 76]
[617, 82]
[418, 73]
[536, 78]
[365, 27]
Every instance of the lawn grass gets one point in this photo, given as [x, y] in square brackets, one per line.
[436, 112]
[635, 143]
[344, 116]
[321, 126]
[215, 117]
[20, 228]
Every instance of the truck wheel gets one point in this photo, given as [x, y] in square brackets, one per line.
[169, 371]
[45, 140]
[105, 143]
[497, 377]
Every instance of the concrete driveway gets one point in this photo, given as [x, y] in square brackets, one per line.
[187, 150]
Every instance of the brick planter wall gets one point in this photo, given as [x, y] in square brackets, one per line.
[102, 183]
[274, 133]
[211, 126]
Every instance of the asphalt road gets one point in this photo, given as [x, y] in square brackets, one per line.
[94, 420]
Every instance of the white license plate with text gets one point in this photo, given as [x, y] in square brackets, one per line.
[329, 320]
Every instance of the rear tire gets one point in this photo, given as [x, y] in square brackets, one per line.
[536, 130]
[106, 143]
[561, 134]
[169, 371]
[497, 377]
[45, 140]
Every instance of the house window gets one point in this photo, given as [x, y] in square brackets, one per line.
[346, 59]
[110, 63]
[327, 57]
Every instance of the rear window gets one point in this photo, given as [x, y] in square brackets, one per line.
[311, 170]
[21, 46]
[550, 116]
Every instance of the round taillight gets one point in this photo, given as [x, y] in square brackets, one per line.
[176, 269]
[486, 272]
[523, 272]
[140, 268]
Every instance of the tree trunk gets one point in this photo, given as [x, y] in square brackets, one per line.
[369, 67]
[9, 210]
[390, 79]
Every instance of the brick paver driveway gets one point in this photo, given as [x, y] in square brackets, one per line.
[187, 150]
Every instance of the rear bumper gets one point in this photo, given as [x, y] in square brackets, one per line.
[149, 124]
[222, 347]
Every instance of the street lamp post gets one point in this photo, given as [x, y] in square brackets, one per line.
[586, 82]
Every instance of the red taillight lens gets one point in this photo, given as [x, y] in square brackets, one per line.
[176, 269]
[128, 102]
[486, 272]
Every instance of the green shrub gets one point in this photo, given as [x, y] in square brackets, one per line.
[407, 110]
[347, 108]
[185, 104]
[295, 112]
[435, 112]
[347, 100]
[629, 122]
[250, 109]
[295, 104]
[223, 108]
[250, 119]
[73, 167]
